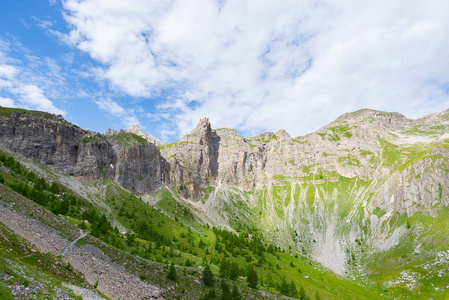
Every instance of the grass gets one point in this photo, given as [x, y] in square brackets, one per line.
[89, 139]
[416, 254]
[263, 139]
[127, 138]
[5, 294]
[7, 111]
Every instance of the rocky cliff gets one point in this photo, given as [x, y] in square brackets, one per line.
[405, 160]
[126, 158]
[194, 159]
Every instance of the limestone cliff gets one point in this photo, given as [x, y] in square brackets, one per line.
[403, 159]
[127, 159]
[194, 159]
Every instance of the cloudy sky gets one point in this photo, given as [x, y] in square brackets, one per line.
[250, 65]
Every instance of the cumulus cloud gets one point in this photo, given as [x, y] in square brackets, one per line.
[8, 102]
[33, 97]
[26, 82]
[272, 64]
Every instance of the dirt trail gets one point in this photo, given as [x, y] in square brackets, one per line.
[66, 250]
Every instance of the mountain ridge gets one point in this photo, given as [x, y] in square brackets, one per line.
[357, 192]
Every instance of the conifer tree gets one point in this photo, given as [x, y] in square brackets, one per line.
[225, 291]
[236, 294]
[234, 271]
[208, 276]
[172, 273]
[253, 279]
[284, 287]
[292, 289]
[302, 294]
[224, 268]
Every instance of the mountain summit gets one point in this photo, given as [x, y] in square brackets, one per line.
[139, 131]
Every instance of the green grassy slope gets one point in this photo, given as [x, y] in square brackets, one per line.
[169, 232]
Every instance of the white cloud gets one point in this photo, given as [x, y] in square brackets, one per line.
[272, 64]
[8, 72]
[110, 106]
[27, 81]
[8, 102]
[126, 116]
[42, 23]
[33, 97]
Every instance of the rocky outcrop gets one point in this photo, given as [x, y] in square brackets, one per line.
[48, 140]
[136, 130]
[139, 167]
[194, 159]
[86, 155]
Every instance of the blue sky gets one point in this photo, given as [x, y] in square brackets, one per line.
[294, 65]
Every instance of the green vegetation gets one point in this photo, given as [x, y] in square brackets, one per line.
[263, 138]
[7, 111]
[278, 176]
[338, 132]
[178, 241]
[416, 267]
[89, 139]
[262, 252]
[127, 138]
[167, 145]
[5, 294]
[172, 275]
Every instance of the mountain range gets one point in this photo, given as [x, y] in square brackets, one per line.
[356, 210]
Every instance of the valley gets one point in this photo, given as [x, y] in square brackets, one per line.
[356, 210]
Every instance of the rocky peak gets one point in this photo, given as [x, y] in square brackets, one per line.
[110, 131]
[203, 124]
[202, 134]
[194, 159]
[134, 128]
[137, 130]
[148, 136]
[283, 135]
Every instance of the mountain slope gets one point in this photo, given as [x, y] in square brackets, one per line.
[371, 187]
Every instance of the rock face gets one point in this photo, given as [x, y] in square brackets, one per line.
[137, 130]
[86, 155]
[139, 167]
[194, 159]
[403, 159]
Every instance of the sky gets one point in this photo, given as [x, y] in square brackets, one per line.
[254, 66]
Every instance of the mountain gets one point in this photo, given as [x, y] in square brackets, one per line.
[138, 131]
[357, 209]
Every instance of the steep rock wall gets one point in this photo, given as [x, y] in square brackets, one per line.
[87, 156]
